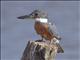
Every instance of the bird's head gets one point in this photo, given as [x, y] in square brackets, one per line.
[35, 14]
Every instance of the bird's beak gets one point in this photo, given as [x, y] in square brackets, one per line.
[30, 16]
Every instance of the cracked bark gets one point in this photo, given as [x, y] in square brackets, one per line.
[39, 50]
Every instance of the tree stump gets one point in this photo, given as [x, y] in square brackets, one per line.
[37, 50]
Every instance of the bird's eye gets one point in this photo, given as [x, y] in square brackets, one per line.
[36, 14]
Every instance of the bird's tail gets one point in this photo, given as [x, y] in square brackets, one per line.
[60, 49]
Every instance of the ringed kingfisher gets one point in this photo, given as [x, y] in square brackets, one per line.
[43, 27]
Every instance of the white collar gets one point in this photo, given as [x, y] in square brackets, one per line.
[43, 20]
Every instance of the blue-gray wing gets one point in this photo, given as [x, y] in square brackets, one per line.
[53, 30]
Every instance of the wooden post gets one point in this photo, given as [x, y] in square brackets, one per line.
[36, 50]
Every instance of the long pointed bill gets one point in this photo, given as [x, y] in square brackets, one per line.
[23, 17]
[30, 16]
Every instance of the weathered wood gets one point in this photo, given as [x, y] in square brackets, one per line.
[37, 50]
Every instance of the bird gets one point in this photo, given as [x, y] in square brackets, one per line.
[43, 27]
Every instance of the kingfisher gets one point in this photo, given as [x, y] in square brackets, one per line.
[43, 27]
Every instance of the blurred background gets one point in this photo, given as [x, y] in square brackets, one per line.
[16, 33]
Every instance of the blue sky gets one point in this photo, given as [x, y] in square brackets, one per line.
[16, 33]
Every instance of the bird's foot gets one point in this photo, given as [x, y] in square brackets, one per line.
[54, 41]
